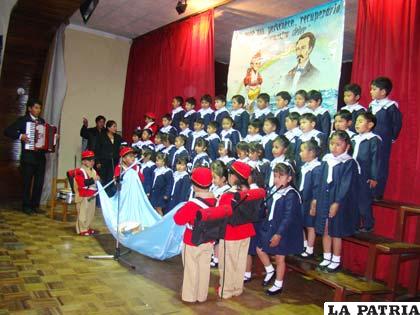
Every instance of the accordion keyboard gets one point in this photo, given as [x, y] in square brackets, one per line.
[30, 132]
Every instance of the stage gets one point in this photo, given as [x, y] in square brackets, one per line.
[43, 271]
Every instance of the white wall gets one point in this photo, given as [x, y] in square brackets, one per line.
[6, 7]
[96, 67]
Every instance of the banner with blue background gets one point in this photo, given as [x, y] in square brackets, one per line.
[303, 51]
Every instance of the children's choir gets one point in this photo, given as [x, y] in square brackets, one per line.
[313, 169]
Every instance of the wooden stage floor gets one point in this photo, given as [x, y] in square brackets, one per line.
[43, 271]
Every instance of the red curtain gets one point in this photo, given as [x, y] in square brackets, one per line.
[177, 59]
[388, 44]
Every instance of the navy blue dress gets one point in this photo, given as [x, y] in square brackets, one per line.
[207, 116]
[162, 187]
[343, 190]
[232, 135]
[180, 192]
[320, 137]
[267, 142]
[252, 250]
[191, 116]
[176, 118]
[241, 122]
[179, 153]
[287, 222]
[169, 130]
[148, 170]
[170, 152]
[261, 119]
[218, 116]
[323, 121]
[281, 120]
[368, 158]
[309, 192]
[213, 146]
[201, 160]
[355, 111]
[192, 140]
[388, 127]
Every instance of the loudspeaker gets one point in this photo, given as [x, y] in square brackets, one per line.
[87, 8]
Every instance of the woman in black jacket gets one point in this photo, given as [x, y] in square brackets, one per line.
[107, 154]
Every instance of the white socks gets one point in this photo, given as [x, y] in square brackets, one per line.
[305, 243]
[335, 262]
[308, 251]
[269, 272]
[215, 260]
[326, 261]
[278, 284]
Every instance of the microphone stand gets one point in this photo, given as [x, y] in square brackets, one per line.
[117, 251]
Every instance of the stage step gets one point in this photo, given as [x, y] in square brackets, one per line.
[343, 283]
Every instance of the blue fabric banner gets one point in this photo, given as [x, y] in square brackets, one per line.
[139, 226]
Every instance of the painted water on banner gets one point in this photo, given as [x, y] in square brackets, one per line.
[303, 51]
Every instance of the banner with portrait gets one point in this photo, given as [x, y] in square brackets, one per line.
[303, 51]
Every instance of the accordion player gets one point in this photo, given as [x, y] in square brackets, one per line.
[42, 137]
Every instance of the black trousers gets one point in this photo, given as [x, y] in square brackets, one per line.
[32, 172]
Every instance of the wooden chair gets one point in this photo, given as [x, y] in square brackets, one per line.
[57, 184]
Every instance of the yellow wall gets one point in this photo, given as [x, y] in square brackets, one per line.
[96, 70]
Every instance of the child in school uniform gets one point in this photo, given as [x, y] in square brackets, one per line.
[196, 259]
[308, 188]
[184, 128]
[147, 168]
[177, 111]
[135, 138]
[190, 113]
[239, 115]
[280, 151]
[168, 141]
[242, 151]
[254, 134]
[198, 133]
[221, 111]
[85, 187]
[159, 146]
[257, 160]
[162, 184]
[388, 126]
[181, 151]
[228, 133]
[167, 125]
[352, 93]
[201, 158]
[335, 208]
[205, 112]
[343, 121]
[366, 151]
[128, 157]
[219, 173]
[323, 117]
[301, 97]
[270, 127]
[307, 124]
[232, 263]
[181, 188]
[263, 110]
[293, 131]
[150, 119]
[282, 230]
[213, 139]
[283, 99]
[144, 141]
[225, 153]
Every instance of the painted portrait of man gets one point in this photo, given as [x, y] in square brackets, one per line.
[304, 74]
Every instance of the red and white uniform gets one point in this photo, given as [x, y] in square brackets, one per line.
[186, 216]
[136, 168]
[85, 179]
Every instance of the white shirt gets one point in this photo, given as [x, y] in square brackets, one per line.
[253, 138]
[307, 167]
[353, 107]
[236, 112]
[358, 139]
[260, 112]
[189, 113]
[204, 111]
[306, 136]
[265, 139]
[176, 111]
[384, 103]
[300, 110]
[219, 111]
[291, 134]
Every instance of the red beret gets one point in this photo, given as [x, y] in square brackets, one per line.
[201, 177]
[150, 115]
[242, 169]
[88, 155]
[125, 150]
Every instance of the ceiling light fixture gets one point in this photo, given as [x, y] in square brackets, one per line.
[181, 6]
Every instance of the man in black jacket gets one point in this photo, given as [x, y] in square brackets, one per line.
[92, 134]
[32, 163]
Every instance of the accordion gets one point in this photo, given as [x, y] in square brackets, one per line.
[42, 137]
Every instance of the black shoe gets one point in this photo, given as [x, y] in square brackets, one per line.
[266, 283]
[27, 210]
[305, 255]
[332, 270]
[246, 279]
[378, 198]
[366, 230]
[37, 210]
[321, 268]
[271, 293]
